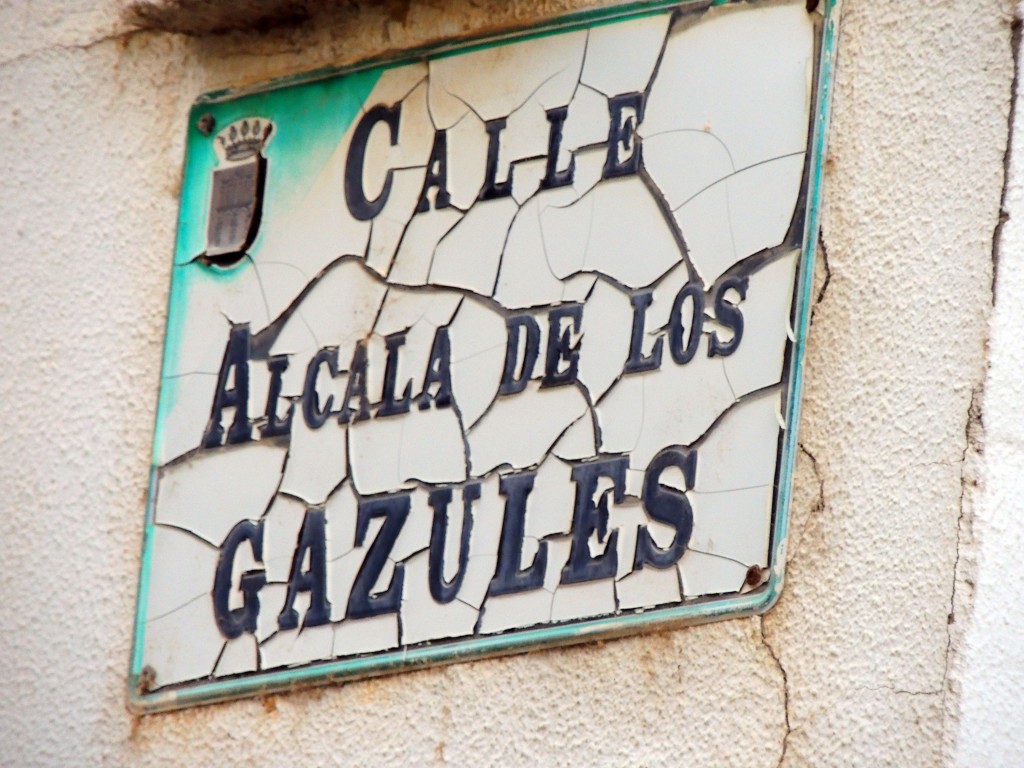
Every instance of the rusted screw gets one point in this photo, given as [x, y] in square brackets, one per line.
[755, 575]
[206, 124]
[147, 677]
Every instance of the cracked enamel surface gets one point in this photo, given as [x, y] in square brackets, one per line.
[360, 307]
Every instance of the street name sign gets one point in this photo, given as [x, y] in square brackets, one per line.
[492, 347]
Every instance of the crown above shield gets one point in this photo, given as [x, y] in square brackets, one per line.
[244, 138]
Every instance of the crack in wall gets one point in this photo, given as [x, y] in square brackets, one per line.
[817, 508]
[776, 657]
[121, 36]
[901, 691]
[823, 288]
[964, 566]
[965, 563]
[1004, 215]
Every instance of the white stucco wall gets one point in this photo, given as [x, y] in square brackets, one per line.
[879, 651]
[991, 724]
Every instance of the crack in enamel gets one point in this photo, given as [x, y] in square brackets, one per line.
[470, 268]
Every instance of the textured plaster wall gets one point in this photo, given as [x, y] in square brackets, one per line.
[991, 719]
[864, 660]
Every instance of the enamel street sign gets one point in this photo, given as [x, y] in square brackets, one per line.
[490, 348]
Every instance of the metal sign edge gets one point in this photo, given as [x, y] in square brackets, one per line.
[140, 701]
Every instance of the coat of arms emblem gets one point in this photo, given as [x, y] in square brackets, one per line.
[236, 195]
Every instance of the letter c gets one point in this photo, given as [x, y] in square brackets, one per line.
[361, 207]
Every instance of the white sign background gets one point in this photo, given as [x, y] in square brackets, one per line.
[638, 400]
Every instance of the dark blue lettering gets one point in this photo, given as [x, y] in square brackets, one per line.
[389, 406]
[636, 362]
[683, 354]
[439, 372]
[510, 383]
[274, 426]
[552, 176]
[493, 189]
[445, 591]
[394, 510]
[359, 205]
[622, 135]
[236, 359]
[438, 178]
[666, 505]
[356, 387]
[312, 540]
[233, 622]
[314, 415]
[561, 347]
[509, 576]
[729, 315]
[588, 518]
